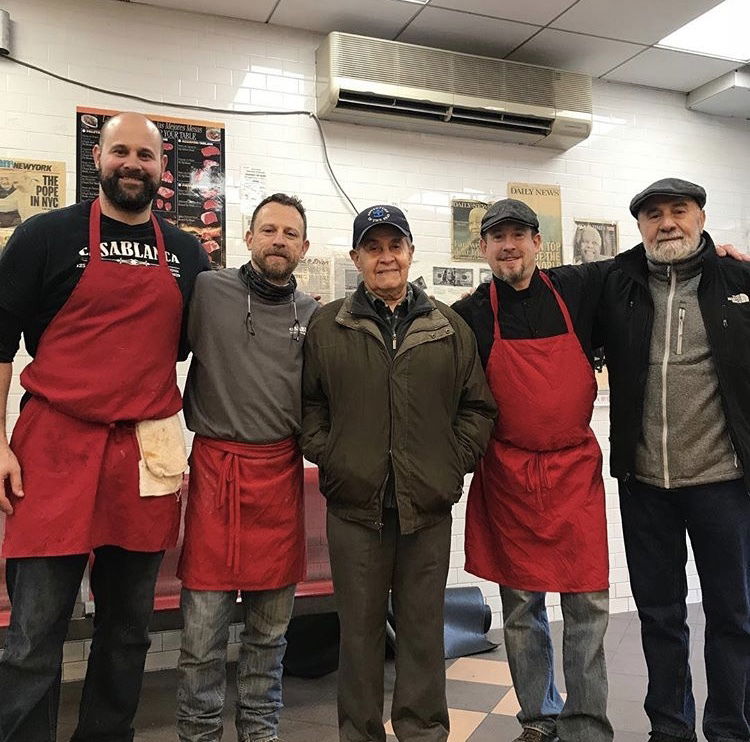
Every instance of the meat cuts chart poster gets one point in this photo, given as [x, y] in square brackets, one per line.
[191, 194]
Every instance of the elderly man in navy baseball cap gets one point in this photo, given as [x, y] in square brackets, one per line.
[396, 411]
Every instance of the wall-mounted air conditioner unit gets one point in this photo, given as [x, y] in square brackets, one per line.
[387, 83]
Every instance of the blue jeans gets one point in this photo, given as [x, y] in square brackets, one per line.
[717, 519]
[202, 674]
[583, 716]
[43, 591]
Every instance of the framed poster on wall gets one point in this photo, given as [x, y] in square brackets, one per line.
[191, 194]
[545, 200]
[28, 187]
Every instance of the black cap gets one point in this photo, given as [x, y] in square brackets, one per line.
[509, 210]
[668, 187]
[376, 215]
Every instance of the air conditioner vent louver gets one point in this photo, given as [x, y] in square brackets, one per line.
[380, 103]
[502, 120]
[437, 112]
[380, 82]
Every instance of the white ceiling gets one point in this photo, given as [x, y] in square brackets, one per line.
[609, 39]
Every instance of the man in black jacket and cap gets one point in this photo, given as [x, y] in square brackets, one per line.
[676, 323]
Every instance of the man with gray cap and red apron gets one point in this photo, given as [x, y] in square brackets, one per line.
[535, 519]
[96, 459]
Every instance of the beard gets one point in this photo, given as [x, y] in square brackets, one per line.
[274, 270]
[672, 251]
[128, 200]
[513, 276]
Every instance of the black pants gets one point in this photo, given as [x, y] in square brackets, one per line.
[43, 591]
[366, 564]
[717, 519]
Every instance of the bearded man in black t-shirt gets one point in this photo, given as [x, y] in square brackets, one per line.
[97, 290]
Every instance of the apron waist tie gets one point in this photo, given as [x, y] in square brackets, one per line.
[537, 476]
[229, 494]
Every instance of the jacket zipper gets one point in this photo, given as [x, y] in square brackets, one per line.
[664, 365]
[391, 361]
[680, 327]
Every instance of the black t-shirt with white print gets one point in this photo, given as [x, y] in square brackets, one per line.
[46, 256]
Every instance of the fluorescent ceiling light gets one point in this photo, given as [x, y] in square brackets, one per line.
[416, 2]
[720, 32]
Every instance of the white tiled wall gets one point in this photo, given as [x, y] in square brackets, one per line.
[639, 135]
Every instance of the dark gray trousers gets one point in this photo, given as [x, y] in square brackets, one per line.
[365, 565]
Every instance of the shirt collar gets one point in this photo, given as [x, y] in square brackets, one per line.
[401, 308]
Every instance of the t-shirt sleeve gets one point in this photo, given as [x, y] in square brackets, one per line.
[195, 261]
[21, 271]
[10, 335]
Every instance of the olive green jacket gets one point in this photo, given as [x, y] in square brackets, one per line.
[428, 412]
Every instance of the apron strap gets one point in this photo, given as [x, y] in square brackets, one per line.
[95, 235]
[161, 249]
[560, 302]
[495, 307]
[228, 492]
[95, 231]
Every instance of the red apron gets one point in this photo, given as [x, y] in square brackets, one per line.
[535, 517]
[245, 516]
[106, 360]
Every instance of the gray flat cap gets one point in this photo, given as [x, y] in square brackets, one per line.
[509, 210]
[668, 187]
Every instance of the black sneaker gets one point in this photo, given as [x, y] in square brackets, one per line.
[534, 735]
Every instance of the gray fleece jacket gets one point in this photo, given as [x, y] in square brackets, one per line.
[684, 440]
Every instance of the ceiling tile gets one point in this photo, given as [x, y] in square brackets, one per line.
[379, 18]
[463, 32]
[258, 10]
[575, 52]
[641, 21]
[540, 12]
[660, 68]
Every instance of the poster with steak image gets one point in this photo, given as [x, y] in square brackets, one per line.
[192, 190]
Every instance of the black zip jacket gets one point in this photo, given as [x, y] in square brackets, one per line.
[625, 319]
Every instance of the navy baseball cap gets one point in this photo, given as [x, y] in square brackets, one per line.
[376, 215]
[668, 187]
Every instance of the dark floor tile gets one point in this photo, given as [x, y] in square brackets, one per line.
[496, 728]
[627, 687]
[629, 736]
[495, 636]
[628, 716]
[499, 654]
[300, 731]
[311, 700]
[474, 696]
[627, 662]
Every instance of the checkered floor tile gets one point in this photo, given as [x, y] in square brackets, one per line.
[481, 698]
